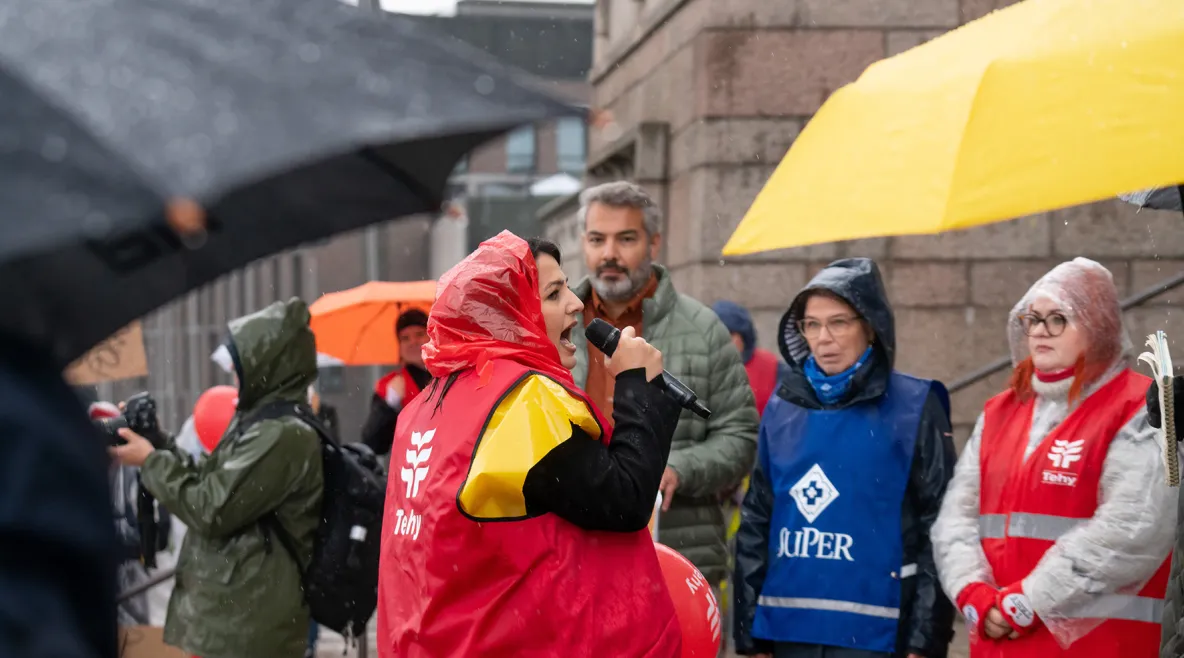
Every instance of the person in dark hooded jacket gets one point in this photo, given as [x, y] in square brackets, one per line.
[833, 557]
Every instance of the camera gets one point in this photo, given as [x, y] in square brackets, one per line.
[139, 415]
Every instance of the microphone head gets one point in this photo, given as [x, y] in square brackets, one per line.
[603, 336]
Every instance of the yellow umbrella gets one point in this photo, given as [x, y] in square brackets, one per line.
[1045, 104]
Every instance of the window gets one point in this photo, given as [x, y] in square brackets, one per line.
[571, 146]
[520, 150]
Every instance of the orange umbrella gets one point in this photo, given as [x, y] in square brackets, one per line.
[357, 325]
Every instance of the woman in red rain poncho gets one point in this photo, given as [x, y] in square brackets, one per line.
[514, 525]
[1054, 535]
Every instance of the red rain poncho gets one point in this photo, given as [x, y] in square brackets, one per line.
[465, 569]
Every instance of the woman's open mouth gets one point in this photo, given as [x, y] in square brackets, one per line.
[565, 340]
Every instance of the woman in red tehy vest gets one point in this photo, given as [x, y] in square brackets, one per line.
[514, 524]
[1055, 533]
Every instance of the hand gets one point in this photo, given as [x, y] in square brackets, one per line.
[633, 352]
[1154, 413]
[762, 655]
[668, 486]
[395, 391]
[996, 625]
[134, 452]
[915, 655]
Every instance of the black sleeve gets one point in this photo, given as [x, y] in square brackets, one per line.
[931, 628]
[1153, 411]
[613, 487]
[752, 556]
[378, 432]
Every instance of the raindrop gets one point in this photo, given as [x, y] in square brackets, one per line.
[420, 105]
[484, 85]
[226, 123]
[309, 53]
[54, 148]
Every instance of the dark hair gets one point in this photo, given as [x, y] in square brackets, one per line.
[412, 317]
[544, 246]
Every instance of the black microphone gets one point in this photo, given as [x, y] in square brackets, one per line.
[605, 337]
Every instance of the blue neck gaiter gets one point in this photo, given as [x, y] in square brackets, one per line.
[831, 388]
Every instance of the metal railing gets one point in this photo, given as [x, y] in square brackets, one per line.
[1138, 299]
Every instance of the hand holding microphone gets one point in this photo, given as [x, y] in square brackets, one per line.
[606, 338]
[633, 352]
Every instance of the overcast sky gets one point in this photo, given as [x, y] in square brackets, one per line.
[436, 6]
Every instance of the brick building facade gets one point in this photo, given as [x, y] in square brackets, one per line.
[706, 96]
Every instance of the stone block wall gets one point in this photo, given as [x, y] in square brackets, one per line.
[735, 80]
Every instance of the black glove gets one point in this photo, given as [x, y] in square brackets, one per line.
[1153, 412]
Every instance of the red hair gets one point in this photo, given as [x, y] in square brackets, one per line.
[1083, 374]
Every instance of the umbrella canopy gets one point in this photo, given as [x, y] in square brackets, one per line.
[1159, 198]
[357, 326]
[1042, 105]
[149, 146]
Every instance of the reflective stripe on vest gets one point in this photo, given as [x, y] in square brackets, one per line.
[907, 571]
[1024, 525]
[1046, 527]
[830, 606]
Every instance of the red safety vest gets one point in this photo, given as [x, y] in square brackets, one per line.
[762, 376]
[1026, 505]
[529, 587]
[409, 392]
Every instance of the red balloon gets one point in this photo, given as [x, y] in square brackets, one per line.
[212, 414]
[694, 603]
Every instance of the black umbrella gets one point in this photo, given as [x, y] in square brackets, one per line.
[150, 146]
[1159, 198]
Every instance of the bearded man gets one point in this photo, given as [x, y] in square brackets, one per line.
[708, 458]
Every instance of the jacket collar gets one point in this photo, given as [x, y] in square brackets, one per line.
[867, 384]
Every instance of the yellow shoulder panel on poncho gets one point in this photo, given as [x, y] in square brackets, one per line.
[528, 423]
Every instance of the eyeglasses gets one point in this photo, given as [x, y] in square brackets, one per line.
[1054, 323]
[836, 327]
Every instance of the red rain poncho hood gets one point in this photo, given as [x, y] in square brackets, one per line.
[487, 307]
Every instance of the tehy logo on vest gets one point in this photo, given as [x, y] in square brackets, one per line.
[416, 470]
[813, 493]
[1063, 454]
[407, 522]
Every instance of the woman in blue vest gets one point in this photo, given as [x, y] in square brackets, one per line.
[833, 557]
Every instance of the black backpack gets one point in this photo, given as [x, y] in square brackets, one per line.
[341, 582]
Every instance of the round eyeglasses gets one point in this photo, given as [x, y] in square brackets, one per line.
[1054, 323]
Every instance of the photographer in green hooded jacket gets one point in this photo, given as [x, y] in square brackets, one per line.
[236, 595]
